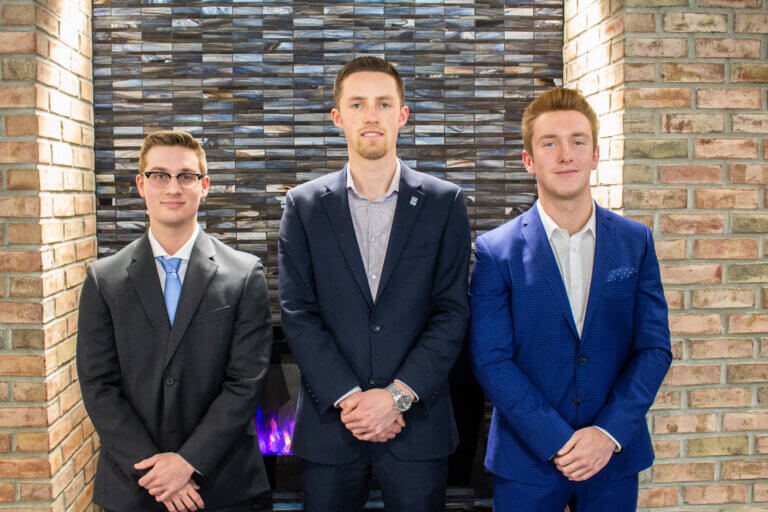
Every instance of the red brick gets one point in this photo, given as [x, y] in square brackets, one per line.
[717, 445]
[749, 72]
[18, 42]
[673, 249]
[726, 198]
[7, 492]
[751, 122]
[653, 97]
[655, 198]
[729, 98]
[731, 48]
[723, 297]
[760, 492]
[684, 472]
[638, 72]
[693, 174]
[749, 322]
[719, 397]
[725, 248]
[685, 423]
[674, 299]
[693, 123]
[761, 445]
[691, 273]
[639, 22]
[695, 22]
[726, 148]
[745, 421]
[752, 174]
[754, 23]
[24, 468]
[18, 15]
[732, 4]
[745, 469]
[715, 493]
[16, 417]
[657, 497]
[687, 375]
[692, 223]
[748, 372]
[656, 47]
[666, 448]
[667, 399]
[21, 312]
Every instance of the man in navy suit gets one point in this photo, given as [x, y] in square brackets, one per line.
[373, 290]
[569, 332]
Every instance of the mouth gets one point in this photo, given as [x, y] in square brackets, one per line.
[173, 204]
[372, 134]
[566, 172]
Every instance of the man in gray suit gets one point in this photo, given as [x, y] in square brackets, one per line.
[174, 341]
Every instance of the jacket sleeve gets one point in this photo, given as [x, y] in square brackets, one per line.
[249, 356]
[522, 405]
[323, 366]
[635, 389]
[430, 360]
[123, 435]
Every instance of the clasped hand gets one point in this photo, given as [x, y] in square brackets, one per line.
[585, 453]
[170, 481]
[371, 415]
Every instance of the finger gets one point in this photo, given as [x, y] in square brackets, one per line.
[179, 504]
[189, 503]
[568, 446]
[196, 497]
[170, 506]
[582, 474]
[167, 494]
[146, 463]
[400, 420]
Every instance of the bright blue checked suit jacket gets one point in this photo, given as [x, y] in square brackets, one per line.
[545, 381]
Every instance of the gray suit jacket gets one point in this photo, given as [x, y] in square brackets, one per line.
[192, 388]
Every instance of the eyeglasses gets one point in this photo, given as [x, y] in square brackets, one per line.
[160, 179]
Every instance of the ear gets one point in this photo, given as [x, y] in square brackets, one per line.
[403, 118]
[140, 184]
[206, 185]
[528, 162]
[336, 117]
[596, 157]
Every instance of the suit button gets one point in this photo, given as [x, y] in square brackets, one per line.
[375, 327]
[576, 402]
[582, 359]
[371, 381]
[170, 382]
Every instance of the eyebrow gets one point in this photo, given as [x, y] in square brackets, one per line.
[362, 98]
[163, 169]
[572, 135]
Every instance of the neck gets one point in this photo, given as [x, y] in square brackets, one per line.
[569, 214]
[373, 177]
[171, 238]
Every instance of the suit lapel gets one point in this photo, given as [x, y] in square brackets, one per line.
[603, 244]
[142, 272]
[410, 201]
[541, 252]
[200, 271]
[336, 206]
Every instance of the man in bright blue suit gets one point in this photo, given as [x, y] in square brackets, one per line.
[569, 330]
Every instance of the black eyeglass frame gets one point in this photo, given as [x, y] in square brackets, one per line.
[179, 177]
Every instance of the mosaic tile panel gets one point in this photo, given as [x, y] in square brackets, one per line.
[254, 81]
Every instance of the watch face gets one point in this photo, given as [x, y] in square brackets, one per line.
[403, 402]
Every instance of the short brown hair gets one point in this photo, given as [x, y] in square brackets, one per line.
[172, 138]
[374, 64]
[553, 100]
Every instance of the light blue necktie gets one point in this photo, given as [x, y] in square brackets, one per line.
[172, 284]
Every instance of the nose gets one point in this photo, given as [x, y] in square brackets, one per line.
[370, 115]
[566, 152]
[174, 186]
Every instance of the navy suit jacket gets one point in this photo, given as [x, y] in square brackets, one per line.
[341, 338]
[542, 378]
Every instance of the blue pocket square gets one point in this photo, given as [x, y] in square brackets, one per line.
[620, 274]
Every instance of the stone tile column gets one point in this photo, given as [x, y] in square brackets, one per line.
[680, 87]
[47, 237]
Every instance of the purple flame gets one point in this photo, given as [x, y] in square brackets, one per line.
[275, 432]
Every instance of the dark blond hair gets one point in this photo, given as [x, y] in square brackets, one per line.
[373, 64]
[553, 100]
[172, 138]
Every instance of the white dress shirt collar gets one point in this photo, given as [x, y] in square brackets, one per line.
[550, 226]
[394, 185]
[184, 253]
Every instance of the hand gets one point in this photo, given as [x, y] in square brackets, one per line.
[585, 453]
[369, 413]
[169, 474]
[187, 499]
[391, 432]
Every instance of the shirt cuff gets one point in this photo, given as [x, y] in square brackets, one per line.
[618, 445]
[401, 383]
[345, 395]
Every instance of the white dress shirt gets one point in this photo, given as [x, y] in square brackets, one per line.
[575, 257]
[183, 253]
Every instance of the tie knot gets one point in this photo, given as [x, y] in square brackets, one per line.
[171, 265]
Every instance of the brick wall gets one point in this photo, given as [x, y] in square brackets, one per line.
[47, 228]
[680, 87]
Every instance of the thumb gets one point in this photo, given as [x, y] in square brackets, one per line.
[567, 447]
[399, 420]
[146, 463]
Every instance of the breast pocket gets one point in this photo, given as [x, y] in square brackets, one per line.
[214, 315]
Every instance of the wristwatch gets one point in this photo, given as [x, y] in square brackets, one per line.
[402, 399]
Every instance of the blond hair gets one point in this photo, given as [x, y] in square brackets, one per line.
[172, 138]
[553, 100]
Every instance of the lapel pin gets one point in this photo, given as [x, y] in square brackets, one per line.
[414, 200]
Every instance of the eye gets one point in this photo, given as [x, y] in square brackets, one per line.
[356, 105]
[579, 142]
[385, 105]
[187, 177]
[159, 176]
